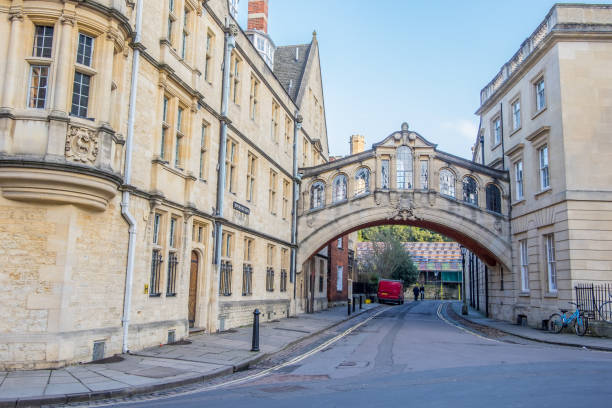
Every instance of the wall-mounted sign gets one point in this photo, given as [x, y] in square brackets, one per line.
[242, 208]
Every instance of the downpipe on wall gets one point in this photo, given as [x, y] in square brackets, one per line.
[296, 130]
[125, 199]
[230, 43]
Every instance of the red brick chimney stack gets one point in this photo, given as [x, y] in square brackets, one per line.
[258, 15]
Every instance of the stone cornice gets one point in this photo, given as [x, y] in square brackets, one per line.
[470, 165]
[336, 164]
[544, 37]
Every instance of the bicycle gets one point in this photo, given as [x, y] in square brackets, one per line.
[557, 321]
[605, 311]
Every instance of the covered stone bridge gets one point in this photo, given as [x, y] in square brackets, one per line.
[405, 180]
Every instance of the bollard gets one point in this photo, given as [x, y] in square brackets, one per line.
[255, 342]
[360, 302]
[354, 304]
[348, 307]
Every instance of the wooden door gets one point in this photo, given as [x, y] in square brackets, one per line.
[193, 287]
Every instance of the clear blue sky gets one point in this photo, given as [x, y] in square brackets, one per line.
[389, 61]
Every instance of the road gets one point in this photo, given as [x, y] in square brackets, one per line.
[410, 355]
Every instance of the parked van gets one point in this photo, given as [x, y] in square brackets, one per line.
[390, 291]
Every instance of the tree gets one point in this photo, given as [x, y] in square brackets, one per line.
[389, 259]
[404, 233]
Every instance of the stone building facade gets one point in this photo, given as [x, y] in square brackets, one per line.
[116, 231]
[546, 118]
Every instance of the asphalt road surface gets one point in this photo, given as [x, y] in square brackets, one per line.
[410, 356]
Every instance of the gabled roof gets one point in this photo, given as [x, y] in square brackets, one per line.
[290, 70]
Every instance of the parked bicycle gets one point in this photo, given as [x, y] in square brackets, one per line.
[605, 310]
[557, 321]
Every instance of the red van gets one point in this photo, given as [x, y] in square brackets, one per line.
[390, 291]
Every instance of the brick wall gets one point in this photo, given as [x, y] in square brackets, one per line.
[338, 257]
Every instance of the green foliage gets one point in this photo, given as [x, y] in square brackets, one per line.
[403, 233]
[389, 259]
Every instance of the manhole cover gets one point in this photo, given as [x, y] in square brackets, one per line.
[347, 364]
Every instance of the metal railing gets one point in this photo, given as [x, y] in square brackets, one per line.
[591, 297]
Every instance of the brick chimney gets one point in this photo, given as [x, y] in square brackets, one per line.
[258, 15]
[357, 143]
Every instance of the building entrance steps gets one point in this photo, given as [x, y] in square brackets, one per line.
[530, 333]
[205, 356]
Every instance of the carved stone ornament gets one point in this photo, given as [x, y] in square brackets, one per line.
[81, 145]
[403, 210]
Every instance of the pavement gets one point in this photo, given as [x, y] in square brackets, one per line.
[157, 368]
[408, 355]
[530, 333]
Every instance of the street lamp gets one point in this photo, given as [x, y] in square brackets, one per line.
[464, 308]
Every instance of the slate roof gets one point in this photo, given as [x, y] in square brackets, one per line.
[290, 71]
[427, 256]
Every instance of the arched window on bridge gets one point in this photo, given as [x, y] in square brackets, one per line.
[339, 188]
[470, 190]
[404, 168]
[493, 198]
[362, 181]
[317, 195]
[447, 182]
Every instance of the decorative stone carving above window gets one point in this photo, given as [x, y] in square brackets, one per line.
[81, 145]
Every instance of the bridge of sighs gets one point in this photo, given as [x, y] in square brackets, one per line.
[406, 180]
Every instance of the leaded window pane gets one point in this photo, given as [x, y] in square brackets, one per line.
[39, 75]
[80, 95]
[85, 49]
[447, 183]
[317, 194]
[339, 188]
[470, 191]
[362, 181]
[43, 42]
[404, 168]
[385, 174]
[493, 198]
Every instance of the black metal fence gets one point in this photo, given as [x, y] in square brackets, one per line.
[364, 288]
[592, 297]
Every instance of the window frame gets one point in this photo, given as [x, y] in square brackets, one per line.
[452, 183]
[318, 198]
[251, 177]
[336, 198]
[516, 126]
[551, 262]
[466, 194]
[544, 169]
[524, 264]
[404, 177]
[519, 181]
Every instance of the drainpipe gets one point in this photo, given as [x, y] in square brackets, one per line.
[297, 126]
[125, 200]
[230, 43]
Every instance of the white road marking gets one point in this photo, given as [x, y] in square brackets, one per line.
[439, 313]
[253, 376]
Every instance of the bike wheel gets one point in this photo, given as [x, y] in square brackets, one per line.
[605, 312]
[581, 325]
[555, 323]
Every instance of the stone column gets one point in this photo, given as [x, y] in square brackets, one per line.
[377, 173]
[64, 67]
[58, 118]
[393, 172]
[106, 79]
[12, 59]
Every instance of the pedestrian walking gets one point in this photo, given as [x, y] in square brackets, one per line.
[416, 292]
[422, 290]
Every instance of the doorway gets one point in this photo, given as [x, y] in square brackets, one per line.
[193, 287]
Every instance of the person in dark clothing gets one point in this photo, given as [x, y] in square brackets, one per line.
[422, 290]
[416, 291]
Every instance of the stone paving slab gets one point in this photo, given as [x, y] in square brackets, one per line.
[208, 356]
[529, 333]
